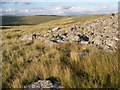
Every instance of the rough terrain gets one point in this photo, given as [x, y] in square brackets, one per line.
[80, 52]
[101, 32]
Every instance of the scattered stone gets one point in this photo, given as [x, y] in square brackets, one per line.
[84, 38]
[34, 36]
[55, 29]
[60, 37]
[31, 59]
[50, 42]
[65, 34]
[100, 32]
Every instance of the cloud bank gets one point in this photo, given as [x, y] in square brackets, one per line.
[61, 9]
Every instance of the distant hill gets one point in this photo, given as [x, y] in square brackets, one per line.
[27, 20]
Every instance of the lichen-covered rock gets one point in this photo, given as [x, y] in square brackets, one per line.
[44, 84]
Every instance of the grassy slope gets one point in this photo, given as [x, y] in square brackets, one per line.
[27, 20]
[61, 61]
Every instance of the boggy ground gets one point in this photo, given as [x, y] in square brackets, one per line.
[74, 65]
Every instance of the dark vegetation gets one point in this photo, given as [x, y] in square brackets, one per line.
[27, 20]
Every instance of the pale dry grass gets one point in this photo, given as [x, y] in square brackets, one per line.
[62, 62]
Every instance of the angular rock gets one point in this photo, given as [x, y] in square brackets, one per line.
[84, 38]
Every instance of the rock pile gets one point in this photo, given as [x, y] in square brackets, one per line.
[101, 32]
[44, 84]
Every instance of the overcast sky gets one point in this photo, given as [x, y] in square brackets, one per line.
[57, 7]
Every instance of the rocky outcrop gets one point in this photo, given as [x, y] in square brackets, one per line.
[101, 32]
[40, 84]
[44, 84]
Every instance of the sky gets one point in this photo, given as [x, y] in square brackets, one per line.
[57, 7]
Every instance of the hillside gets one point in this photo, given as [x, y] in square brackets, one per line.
[70, 52]
[27, 20]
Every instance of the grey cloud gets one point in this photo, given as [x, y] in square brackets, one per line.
[66, 7]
